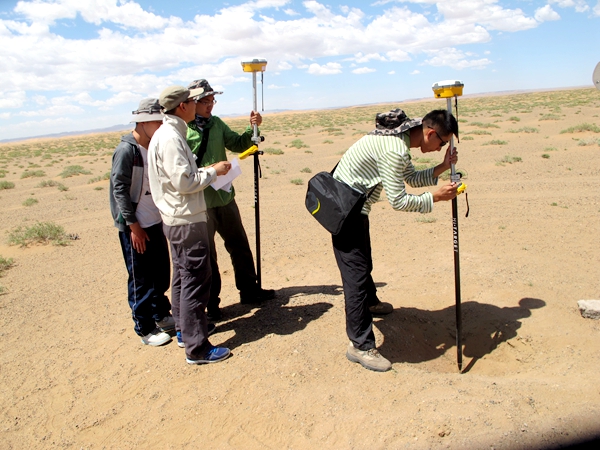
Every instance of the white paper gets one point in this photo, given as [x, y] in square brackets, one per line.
[223, 182]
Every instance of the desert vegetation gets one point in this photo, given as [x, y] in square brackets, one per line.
[75, 375]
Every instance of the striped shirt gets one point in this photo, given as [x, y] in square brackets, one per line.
[385, 162]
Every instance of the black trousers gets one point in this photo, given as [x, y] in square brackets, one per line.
[149, 277]
[352, 249]
[227, 221]
[191, 284]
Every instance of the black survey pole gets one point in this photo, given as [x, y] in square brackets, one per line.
[448, 90]
[255, 66]
[456, 178]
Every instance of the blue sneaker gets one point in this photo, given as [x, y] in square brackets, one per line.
[180, 340]
[213, 355]
[211, 329]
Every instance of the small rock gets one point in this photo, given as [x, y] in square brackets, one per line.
[589, 309]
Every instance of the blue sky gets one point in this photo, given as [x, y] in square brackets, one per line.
[69, 65]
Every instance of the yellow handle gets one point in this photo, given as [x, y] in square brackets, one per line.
[249, 152]
[461, 189]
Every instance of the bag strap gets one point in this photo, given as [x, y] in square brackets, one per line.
[203, 145]
[370, 192]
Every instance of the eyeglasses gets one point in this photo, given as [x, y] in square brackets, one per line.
[206, 103]
[442, 142]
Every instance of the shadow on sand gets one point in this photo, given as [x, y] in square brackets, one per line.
[277, 316]
[414, 335]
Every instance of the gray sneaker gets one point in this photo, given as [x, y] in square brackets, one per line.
[156, 337]
[370, 359]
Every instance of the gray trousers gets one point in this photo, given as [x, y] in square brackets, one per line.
[190, 287]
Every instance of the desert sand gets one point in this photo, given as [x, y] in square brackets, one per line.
[74, 375]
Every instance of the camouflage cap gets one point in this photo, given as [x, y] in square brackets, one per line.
[196, 84]
[148, 111]
[171, 97]
[393, 123]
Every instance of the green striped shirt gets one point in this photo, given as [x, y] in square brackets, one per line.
[385, 162]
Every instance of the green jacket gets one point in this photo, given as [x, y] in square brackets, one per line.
[220, 137]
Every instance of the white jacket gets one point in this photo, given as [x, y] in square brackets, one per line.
[176, 183]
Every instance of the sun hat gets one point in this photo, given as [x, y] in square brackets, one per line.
[148, 111]
[203, 84]
[171, 97]
[394, 122]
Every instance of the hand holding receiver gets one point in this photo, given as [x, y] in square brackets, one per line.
[445, 193]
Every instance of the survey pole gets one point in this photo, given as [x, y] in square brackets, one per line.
[255, 66]
[448, 90]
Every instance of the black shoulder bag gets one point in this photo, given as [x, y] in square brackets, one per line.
[331, 201]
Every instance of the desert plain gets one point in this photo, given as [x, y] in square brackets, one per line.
[74, 375]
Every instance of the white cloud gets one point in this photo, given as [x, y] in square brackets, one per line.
[392, 72]
[274, 86]
[284, 65]
[135, 53]
[119, 62]
[40, 99]
[126, 13]
[487, 13]
[579, 5]
[14, 99]
[362, 70]
[361, 58]
[456, 59]
[596, 9]
[398, 55]
[415, 72]
[53, 111]
[122, 98]
[546, 14]
[330, 68]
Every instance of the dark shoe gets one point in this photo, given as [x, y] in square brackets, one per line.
[255, 297]
[213, 355]
[381, 309]
[214, 315]
[166, 324]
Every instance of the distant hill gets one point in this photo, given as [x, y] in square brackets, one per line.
[125, 127]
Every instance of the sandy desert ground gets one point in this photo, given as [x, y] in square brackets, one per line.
[74, 375]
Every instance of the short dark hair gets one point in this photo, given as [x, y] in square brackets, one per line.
[443, 121]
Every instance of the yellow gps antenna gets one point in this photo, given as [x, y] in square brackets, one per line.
[255, 66]
[449, 89]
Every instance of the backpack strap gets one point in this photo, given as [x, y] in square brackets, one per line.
[203, 146]
[370, 192]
